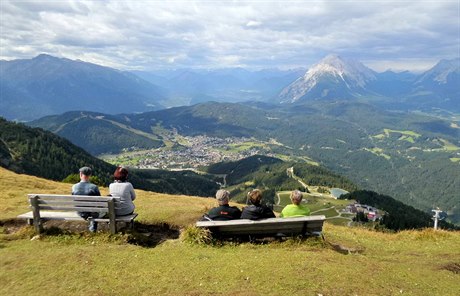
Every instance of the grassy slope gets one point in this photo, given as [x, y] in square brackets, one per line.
[407, 263]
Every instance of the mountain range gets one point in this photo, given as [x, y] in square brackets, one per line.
[337, 78]
[46, 85]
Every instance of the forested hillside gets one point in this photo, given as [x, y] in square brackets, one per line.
[398, 215]
[97, 133]
[36, 152]
[272, 175]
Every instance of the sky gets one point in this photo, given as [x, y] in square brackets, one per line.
[155, 35]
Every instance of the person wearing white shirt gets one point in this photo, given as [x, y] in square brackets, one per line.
[123, 189]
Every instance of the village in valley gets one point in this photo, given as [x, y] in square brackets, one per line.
[192, 153]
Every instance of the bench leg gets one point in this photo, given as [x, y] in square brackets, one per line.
[113, 227]
[38, 226]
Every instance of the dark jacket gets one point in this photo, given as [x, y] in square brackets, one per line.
[253, 212]
[223, 213]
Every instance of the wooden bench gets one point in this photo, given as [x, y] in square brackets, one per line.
[271, 227]
[65, 207]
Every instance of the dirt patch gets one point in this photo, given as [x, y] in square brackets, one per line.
[453, 267]
[342, 249]
[145, 235]
[12, 225]
[151, 235]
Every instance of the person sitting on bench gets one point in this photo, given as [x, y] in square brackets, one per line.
[223, 212]
[85, 187]
[256, 210]
[124, 190]
[295, 209]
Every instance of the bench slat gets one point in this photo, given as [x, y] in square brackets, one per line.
[126, 218]
[266, 227]
[51, 203]
[75, 209]
[54, 216]
[72, 197]
[73, 216]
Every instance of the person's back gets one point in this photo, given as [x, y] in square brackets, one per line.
[84, 187]
[256, 211]
[224, 211]
[124, 190]
[295, 209]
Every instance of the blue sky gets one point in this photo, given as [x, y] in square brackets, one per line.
[152, 35]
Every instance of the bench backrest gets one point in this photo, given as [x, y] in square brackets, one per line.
[75, 203]
[266, 227]
[78, 203]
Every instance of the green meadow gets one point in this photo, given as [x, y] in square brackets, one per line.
[159, 259]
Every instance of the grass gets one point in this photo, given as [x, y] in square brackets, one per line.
[406, 133]
[448, 146]
[378, 152]
[351, 261]
[240, 147]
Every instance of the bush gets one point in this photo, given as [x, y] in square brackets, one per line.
[196, 236]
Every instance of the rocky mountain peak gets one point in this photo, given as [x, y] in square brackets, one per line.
[332, 71]
[441, 71]
[346, 69]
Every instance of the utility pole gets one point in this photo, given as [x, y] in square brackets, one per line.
[436, 217]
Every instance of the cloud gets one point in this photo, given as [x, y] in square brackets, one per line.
[254, 34]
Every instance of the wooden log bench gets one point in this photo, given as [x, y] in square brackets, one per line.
[65, 207]
[271, 227]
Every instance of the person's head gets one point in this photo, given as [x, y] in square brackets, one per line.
[85, 173]
[120, 174]
[296, 197]
[222, 197]
[255, 196]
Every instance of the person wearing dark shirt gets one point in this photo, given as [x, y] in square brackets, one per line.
[224, 211]
[256, 211]
[85, 187]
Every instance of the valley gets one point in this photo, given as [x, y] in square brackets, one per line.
[194, 152]
[388, 154]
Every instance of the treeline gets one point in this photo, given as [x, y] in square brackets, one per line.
[238, 171]
[398, 216]
[179, 182]
[319, 176]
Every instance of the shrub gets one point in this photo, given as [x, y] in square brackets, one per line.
[195, 235]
